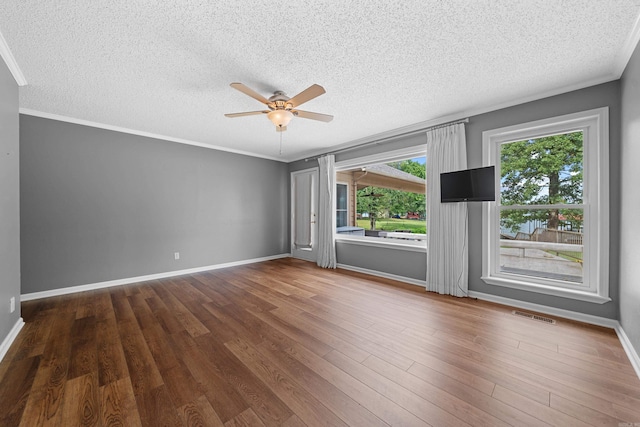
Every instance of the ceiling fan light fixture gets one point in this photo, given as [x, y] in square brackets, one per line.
[280, 118]
[282, 108]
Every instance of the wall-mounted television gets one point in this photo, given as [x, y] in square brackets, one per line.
[469, 185]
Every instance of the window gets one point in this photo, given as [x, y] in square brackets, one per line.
[342, 205]
[382, 198]
[548, 230]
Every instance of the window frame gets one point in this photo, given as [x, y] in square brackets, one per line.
[595, 126]
[364, 161]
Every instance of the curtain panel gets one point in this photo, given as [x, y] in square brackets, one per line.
[447, 234]
[326, 214]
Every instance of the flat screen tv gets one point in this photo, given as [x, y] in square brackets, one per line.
[469, 185]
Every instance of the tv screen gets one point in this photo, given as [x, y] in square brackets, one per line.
[469, 185]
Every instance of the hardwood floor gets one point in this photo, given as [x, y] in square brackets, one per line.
[286, 343]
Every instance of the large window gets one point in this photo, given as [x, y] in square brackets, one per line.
[382, 198]
[548, 229]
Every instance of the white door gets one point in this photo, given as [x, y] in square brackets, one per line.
[304, 211]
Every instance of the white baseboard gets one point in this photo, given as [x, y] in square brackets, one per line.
[628, 348]
[567, 314]
[408, 280]
[119, 282]
[631, 352]
[4, 347]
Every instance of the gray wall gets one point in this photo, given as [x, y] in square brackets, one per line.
[402, 263]
[99, 205]
[630, 206]
[605, 95]
[392, 261]
[9, 202]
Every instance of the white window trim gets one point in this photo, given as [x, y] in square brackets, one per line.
[595, 199]
[382, 243]
[385, 157]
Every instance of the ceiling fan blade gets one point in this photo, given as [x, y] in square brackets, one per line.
[308, 94]
[246, 113]
[248, 91]
[313, 116]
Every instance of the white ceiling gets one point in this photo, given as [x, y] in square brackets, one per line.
[164, 69]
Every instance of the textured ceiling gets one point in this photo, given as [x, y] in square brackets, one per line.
[165, 68]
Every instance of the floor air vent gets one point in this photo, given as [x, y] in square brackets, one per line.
[534, 317]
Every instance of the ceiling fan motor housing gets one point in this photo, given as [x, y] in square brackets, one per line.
[279, 101]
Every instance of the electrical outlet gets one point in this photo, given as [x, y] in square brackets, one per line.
[12, 304]
[176, 255]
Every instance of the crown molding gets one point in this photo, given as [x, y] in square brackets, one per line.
[395, 134]
[11, 62]
[627, 49]
[388, 135]
[58, 117]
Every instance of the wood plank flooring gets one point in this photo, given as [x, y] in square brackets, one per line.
[284, 343]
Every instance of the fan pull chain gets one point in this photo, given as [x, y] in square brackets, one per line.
[281, 143]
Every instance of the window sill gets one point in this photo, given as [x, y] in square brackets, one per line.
[383, 243]
[547, 290]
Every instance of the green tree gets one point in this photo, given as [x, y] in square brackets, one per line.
[402, 202]
[410, 166]
[545, 170]
[372, 201]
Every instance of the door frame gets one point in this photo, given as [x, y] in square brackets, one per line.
[310, 254]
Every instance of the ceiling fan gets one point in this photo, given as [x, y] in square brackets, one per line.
[282, 108]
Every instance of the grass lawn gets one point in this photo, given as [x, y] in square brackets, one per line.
[392, 224]
[571, 256]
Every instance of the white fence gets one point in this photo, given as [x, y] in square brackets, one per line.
[543, 246]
